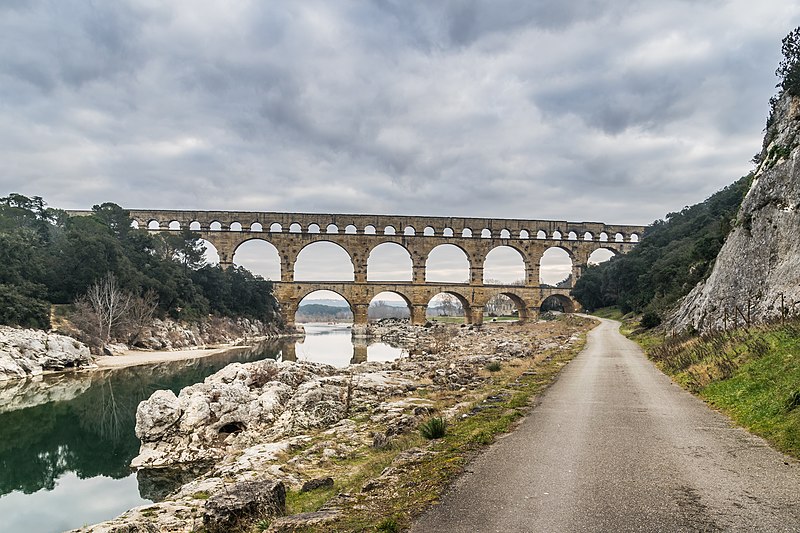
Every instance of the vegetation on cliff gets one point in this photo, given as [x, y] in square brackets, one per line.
[675, 254]
[49, 258]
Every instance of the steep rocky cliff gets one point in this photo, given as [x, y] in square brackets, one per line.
[756, 276]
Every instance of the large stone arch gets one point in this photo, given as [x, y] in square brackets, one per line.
[463, 298]
[371, 295]
[570, 271]
[520, 303]
[311, 243]
[566, 303]
[258, 238]
[375, 290]
[303, 293]
[446, 246]
[390, 244]
[517, 296]
[523, 255]
[255, 237]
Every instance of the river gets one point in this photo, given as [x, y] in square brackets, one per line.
[66, 440]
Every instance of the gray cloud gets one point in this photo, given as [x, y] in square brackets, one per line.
[589, 110]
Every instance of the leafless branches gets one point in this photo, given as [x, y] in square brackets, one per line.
[108, 312]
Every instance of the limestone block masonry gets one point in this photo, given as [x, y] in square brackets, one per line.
[358, 235]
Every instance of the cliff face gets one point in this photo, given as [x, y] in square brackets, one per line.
[756, 275]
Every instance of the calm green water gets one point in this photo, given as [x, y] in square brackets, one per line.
[66, 440]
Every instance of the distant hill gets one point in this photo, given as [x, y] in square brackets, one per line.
[315, 312]
[325, 302]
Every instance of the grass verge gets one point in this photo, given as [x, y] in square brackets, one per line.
[750, 374]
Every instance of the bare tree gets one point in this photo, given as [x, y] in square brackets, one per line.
[449, 305]
[108, 303]
[140, 314]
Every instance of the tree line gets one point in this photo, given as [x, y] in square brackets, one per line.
[49, 257]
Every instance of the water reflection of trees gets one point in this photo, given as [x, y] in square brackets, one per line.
[93, 433]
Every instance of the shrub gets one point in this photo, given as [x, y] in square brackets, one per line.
[388, 525]
[494, 366]
[793, 401]
[650, 320]
[434, 428]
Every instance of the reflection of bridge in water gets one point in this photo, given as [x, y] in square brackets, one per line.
[358, 235]
[360, 349]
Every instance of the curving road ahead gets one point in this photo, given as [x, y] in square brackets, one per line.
[615, 446]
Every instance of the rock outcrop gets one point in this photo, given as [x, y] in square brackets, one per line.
[30, 352]
[169, 334]
[247, 403]
[756, 276]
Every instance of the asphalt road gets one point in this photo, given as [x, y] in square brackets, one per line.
[615, 446]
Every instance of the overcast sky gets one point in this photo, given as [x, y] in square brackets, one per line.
[617, 111]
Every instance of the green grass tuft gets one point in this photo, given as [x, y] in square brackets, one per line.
[433, 428]
[494, 366]
[388, 525]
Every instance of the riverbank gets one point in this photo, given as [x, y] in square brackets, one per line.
[298, 438]
[136, 357]
[30, 352]
[26, 353]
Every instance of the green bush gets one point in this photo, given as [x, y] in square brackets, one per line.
[434, 428]
[494, 366]
[49, 258]
[789, 68]
[793, 401]
[388, 525]
[650, 320]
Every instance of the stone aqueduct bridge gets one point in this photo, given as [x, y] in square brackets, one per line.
[358, 235]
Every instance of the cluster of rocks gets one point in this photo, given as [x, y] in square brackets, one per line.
[30, 352]
[392, 331]
[248, 403]
[172, 335]
[267, 422]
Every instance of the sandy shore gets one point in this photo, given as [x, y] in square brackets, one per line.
[135, 357]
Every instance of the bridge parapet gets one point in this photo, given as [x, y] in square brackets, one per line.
[380, 224]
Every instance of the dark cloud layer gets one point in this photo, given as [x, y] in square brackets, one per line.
[585, 110]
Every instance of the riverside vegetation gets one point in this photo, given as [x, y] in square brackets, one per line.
[100, 280]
